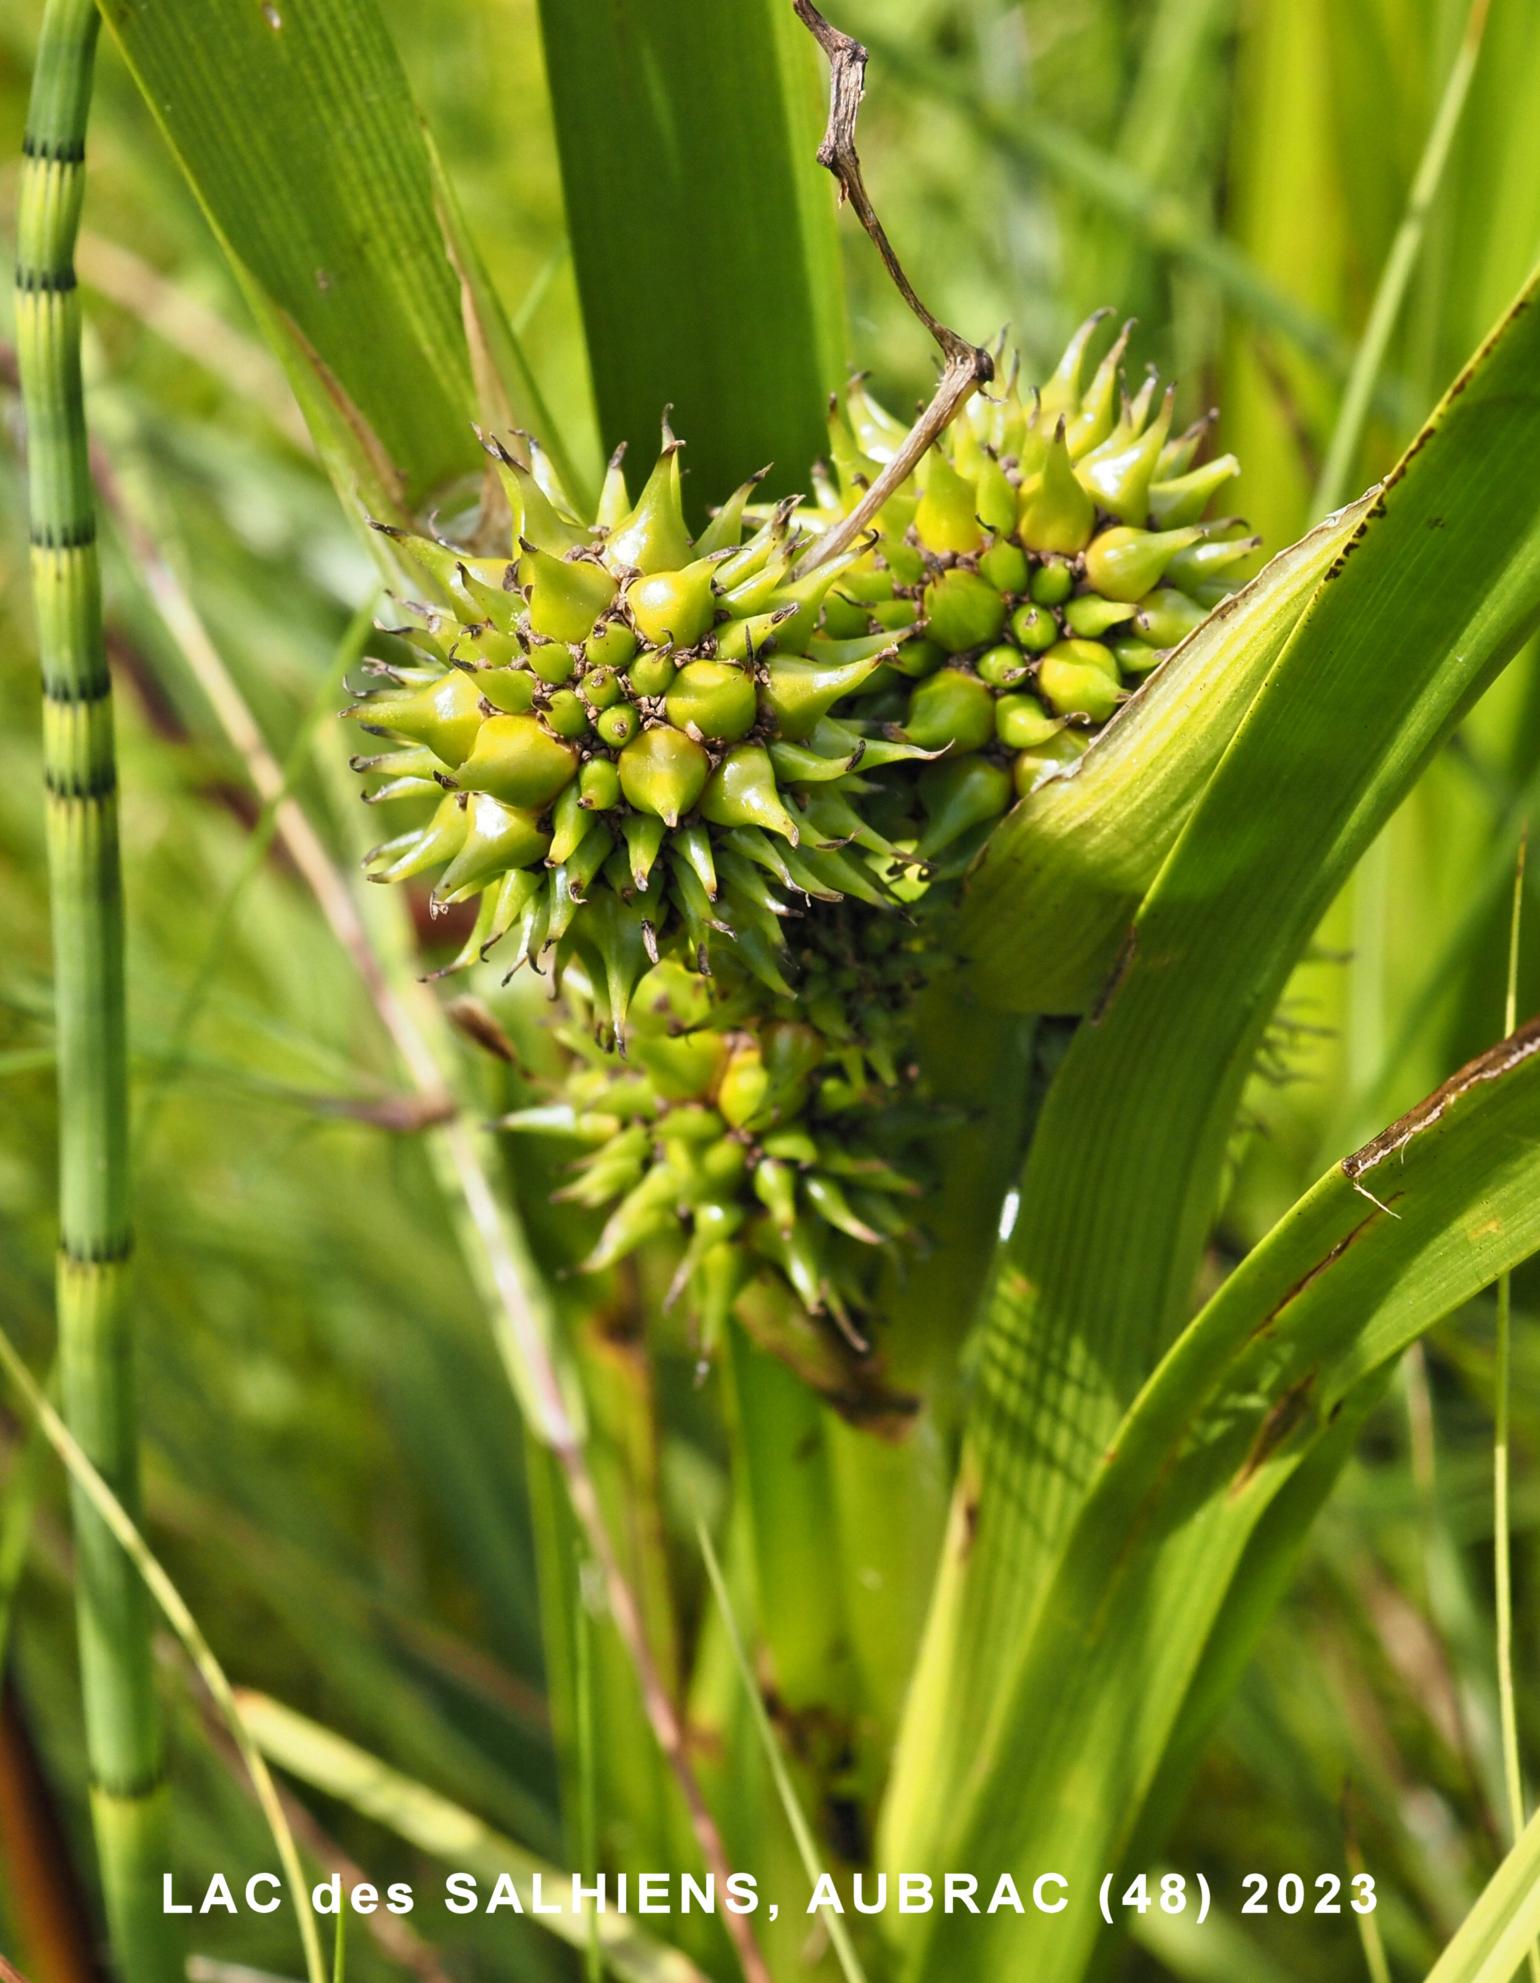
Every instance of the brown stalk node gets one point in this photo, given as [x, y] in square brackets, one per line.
[966, 366]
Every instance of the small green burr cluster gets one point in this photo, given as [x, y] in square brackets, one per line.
[1054, 550]
[632, 739]
[770, 1135]
[727, 791]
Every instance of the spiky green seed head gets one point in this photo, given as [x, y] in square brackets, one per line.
[784, 1131]
[654, 756]
[655, 702]
[716, 700]
[1055, 548]
[664, 772]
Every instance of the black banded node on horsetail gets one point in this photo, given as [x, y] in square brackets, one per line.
[619, 737]
[79, 774]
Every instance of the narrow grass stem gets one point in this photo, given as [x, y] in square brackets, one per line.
[1370, 1939]
[258, 840]
[496, 1250]
[1502, 1525]
[150, 1577]
[1397, 272]
[174, 313]
[785, 1790]
[447, 1832]
[588, 1803]
[123, 1728]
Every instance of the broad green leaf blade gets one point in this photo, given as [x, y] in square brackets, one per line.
[890, 1494]
[702, 230]
[1492, 1940]
[295, 127]
[1272, 1554]
[1124, 1171]
[1266, 1384]
[457, 1840]
[1060, 880]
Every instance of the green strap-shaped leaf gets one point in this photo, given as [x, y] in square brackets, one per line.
[702, 229]
[296, 130]
[1261, 1389]
[1437, 587]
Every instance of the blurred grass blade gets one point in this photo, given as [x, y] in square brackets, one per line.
[1276, 1370]
[242, 364]
[1217, 1952]
[702, 230]
[1453, 961]
[115, 1517]
[587, 1822]
[1124, 1172]
[1059, 881]
[1154, 138]
[222, 923]
[459, 1841]
[296, 130]
[18, 1505]
[785, 1486]
[890, 1495]
[1490, 1942]
[1041, 142]
[1399, 264]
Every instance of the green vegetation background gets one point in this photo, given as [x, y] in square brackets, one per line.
[335, 1473]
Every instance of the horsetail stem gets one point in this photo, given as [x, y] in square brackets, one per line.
[79, 770]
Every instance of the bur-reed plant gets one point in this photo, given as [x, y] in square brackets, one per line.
[1139, 1470]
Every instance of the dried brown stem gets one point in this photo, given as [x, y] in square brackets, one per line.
[966, 367]
[397, 1115]
[959, 381]
[847, 85]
